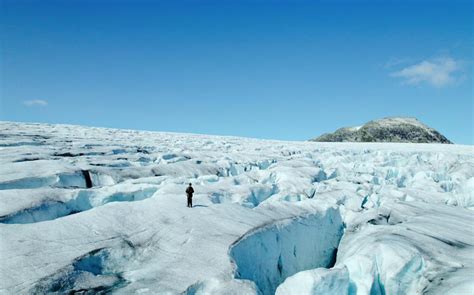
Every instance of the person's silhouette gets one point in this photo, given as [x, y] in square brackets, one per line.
[189, 194]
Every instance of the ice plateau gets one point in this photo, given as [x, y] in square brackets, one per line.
[95, 210]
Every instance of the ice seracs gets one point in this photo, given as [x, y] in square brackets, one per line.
[91, 209]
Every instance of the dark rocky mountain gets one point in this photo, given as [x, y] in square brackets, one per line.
[392, 129]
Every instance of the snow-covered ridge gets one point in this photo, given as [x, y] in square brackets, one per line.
[97, 209]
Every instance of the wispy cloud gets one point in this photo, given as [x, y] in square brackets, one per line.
[394, 62]
[438, 72]
[35, 102]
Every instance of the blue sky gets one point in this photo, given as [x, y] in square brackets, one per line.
[269, 69]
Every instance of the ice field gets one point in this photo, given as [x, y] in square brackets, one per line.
[92, 209]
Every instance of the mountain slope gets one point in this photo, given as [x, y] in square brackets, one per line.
[393, 129]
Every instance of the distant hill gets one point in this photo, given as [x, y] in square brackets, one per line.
[392, 129]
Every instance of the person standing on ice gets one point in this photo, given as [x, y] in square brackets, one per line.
[189, 194]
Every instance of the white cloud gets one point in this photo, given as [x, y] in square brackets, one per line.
[437, 72]
[35, 102]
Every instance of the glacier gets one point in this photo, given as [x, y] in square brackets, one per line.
[90, 210]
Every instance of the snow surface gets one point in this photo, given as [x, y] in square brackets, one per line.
[290, 217]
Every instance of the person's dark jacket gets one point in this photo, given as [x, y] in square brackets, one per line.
[189, 192]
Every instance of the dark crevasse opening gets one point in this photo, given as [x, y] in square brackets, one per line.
[97, 272]
[87, 178]
[270, 254]
[77, 179]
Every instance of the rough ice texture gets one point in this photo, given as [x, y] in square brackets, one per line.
[104, 210]
[391, 129]
[318, 281]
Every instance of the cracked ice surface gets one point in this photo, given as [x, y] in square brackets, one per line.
[93, 209]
